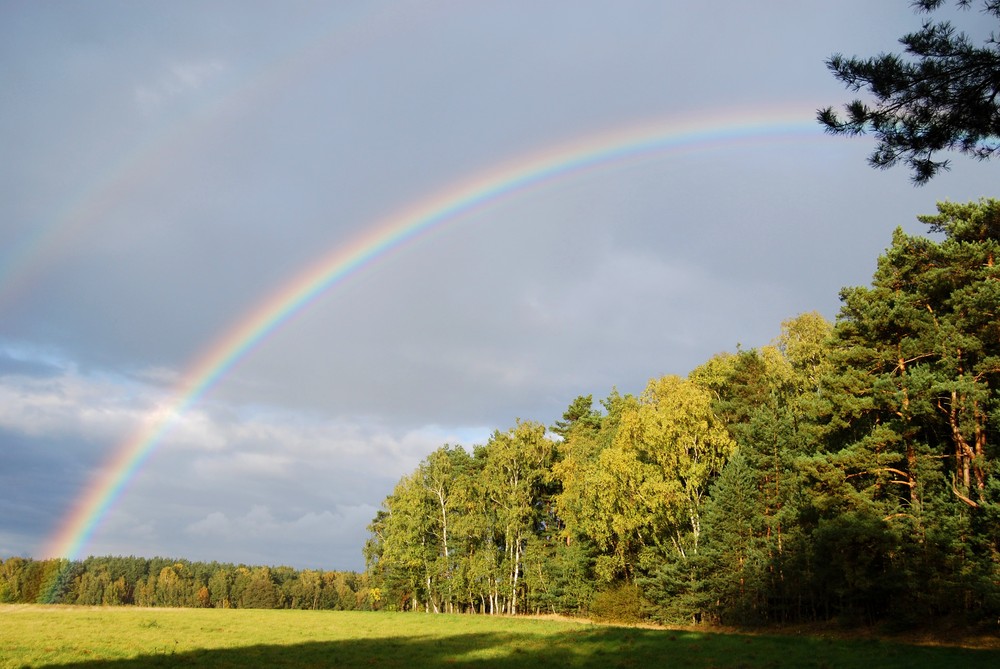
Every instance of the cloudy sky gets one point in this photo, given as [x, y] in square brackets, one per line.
[168, 166]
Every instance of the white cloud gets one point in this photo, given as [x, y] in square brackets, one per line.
[67, 405]
[106, 409]
[236, 441]
[226, 481]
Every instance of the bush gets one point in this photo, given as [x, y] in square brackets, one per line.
[622, 603]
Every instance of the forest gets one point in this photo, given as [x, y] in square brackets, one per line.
[845, 472]
[170, 582]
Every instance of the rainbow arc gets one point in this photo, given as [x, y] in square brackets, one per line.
[432, 214]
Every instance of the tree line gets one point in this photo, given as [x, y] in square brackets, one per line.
[848, 471]
[168, 582]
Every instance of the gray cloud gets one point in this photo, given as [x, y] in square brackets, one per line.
[168, 166]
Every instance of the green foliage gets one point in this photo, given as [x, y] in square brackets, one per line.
[579, 416]
[846, 472]
[558, 576]
[736, 554]
[11, 578]
[55, 582]
[854, 572]
[260, 591]
[621, 603]
[168, 583]
[942, 96]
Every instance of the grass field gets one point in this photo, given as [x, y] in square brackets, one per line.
[127, 638]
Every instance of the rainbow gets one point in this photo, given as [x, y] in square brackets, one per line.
[647, 140]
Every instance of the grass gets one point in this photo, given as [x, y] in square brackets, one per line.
[130, 638]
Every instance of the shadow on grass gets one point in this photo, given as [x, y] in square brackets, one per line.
[585, 647]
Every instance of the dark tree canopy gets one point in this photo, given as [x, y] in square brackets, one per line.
[941, 96]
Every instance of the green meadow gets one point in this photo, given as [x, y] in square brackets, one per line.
[43, 636]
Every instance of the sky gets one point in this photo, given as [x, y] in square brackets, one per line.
[169, 169]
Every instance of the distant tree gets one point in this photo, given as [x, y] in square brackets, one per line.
[169, 587]
[58, 578]
[343, 588]
[90, 586]
[942, 97]
[260, 591]
[143, 593]
[10, 573]
[218, 588]
[305, 591]
[116, 593]
[329, 597]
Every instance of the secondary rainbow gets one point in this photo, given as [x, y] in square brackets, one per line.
[431, 214]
